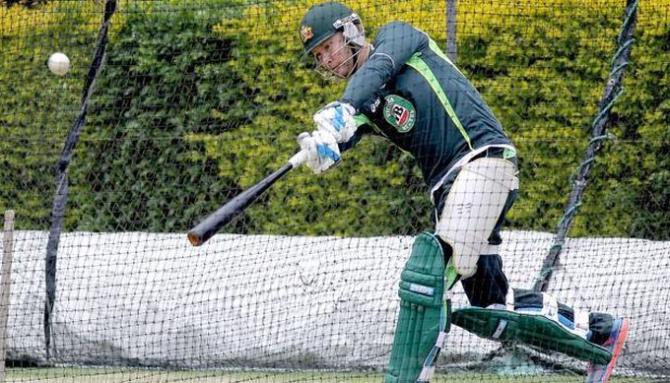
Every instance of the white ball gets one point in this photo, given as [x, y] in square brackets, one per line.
[59, 63]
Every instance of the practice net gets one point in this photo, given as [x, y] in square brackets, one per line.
[171, 108]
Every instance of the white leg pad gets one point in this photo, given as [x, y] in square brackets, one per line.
[473, 206]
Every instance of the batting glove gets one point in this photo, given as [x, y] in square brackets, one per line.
[321, 148]
[337, 118]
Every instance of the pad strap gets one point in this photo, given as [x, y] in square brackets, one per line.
[549, 307]
[450, 278]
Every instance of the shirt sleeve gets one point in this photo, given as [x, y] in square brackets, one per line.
[360, 132]
[396, 42]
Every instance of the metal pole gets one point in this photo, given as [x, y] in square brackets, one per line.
[5, 286]
[451, 30]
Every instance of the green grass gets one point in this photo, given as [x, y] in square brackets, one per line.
[110, 375]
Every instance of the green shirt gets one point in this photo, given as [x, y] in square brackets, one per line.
[401, 105]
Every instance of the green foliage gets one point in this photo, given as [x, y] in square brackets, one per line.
[165, 78]
[543, 78]
[635, 174]
[25, 3]
[37, 106]
[196, 104]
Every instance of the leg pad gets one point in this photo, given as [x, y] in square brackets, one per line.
[422, 313]
[530, 329]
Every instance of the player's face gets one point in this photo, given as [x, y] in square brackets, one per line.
[335, 56]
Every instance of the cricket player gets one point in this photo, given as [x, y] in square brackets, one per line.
[403, 88]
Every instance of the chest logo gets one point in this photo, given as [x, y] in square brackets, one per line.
[400, 113]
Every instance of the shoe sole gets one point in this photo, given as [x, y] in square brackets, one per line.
[616, 351]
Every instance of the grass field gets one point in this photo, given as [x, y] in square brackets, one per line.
[102, 375]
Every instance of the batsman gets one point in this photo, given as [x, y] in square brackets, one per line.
[403, 88]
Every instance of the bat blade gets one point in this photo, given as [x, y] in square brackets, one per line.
[226, 213]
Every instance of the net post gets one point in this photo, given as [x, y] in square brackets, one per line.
[613, 89]
[5, 285]
[451, 29]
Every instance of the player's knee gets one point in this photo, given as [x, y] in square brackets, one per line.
[489, 284]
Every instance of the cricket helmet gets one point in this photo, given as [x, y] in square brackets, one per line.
[324, 20]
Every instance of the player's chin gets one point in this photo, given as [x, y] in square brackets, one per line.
[343, 71]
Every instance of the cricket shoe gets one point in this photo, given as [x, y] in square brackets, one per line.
[600, 373]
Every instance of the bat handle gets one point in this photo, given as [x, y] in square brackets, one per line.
[298, 159]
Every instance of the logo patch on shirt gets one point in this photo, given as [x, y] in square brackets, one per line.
[400, 113]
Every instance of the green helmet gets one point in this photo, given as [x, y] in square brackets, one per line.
[324, 20]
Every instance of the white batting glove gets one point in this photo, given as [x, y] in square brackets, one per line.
[321, 148]
[337, 118]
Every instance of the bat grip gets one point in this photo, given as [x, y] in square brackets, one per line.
[298, 159]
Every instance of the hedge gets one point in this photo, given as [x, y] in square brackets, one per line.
[195, 105]
[38, 107]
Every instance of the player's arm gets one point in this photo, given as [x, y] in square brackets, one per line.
[396, 42]
[361, 131]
